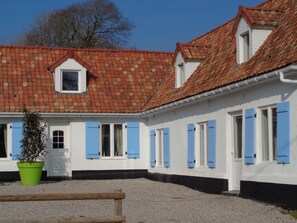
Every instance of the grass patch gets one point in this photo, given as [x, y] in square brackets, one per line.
[293, 213]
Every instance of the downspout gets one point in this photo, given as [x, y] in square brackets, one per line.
[282, 75]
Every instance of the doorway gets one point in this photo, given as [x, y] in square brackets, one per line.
[58, 160]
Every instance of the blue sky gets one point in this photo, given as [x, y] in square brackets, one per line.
[159, 24]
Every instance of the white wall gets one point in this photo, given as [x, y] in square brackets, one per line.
[258, 38]
[270, 92]
[77, 146]
[79, 162]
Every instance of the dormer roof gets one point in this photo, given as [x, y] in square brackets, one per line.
[70, 54]
[191, 52]
[259, 17]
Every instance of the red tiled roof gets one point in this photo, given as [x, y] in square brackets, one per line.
[191, 51]
[220, 67]
[133, 81]
[120, 81]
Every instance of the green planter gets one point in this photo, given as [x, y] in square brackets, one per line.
[30, 173]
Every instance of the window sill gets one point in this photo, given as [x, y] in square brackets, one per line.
[113, 158]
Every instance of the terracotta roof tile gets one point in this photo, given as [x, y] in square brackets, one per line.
[220, 67]
[258, 17]
[191, 51]
[121, 81]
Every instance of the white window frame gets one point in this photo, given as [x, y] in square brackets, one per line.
[181, 74]
[159, 147]
[234, 134]
[270, 134]
[8, 143]
[111, 136]
[78, 80]
[198, 154]
[246, 49]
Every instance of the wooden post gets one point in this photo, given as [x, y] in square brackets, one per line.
[118, 204]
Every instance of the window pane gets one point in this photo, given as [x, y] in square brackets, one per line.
[274, 132]
[182, 74]
[105, 140]
[265, 136]
[246, 46]
[238, 137]
[70, 81]
[118, 140]
[3, 141]
[58, 139]
[202, 145]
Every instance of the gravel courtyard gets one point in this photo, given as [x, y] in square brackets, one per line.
[146, 201]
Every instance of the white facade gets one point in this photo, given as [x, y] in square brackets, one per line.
[221, 108]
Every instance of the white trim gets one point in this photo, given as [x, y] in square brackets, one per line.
[218, 91]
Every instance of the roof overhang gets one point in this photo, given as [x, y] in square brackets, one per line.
[218, 91]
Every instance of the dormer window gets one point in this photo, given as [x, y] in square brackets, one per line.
[181, 74]
[70, 81]
[187, 59]
[246, 46]
[69, 76]
[252, 27]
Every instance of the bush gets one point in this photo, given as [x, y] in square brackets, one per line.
[33, 144]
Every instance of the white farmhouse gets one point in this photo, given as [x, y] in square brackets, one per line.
[219, 114]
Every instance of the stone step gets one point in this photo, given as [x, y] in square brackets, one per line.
[235, 193]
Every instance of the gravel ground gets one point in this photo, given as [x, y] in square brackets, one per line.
[146, 201]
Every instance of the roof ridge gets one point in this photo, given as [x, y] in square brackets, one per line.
[262, 9]
[86, 49]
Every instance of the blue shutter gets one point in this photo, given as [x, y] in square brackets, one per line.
[283, 133]
[211, 143]
[249, 136]
[153, 148]
[17, 136]
[191, 140]
[133, 140]
[92, 140]
[166, 147]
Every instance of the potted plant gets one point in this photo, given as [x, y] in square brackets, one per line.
[33, 148]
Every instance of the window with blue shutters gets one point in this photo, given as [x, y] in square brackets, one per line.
[133, 143]
[191, 145]
[153, 148]
[274, 132]
[92, 140]
[211, 142]
[249, 136]
[17, 135]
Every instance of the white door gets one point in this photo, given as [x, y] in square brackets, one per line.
[237, 151]
[58, 158]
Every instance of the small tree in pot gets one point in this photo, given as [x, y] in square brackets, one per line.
[33, 148]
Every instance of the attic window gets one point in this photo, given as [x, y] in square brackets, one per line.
[70, 77]
[181, 71]
[70, 81]
[245, 46]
